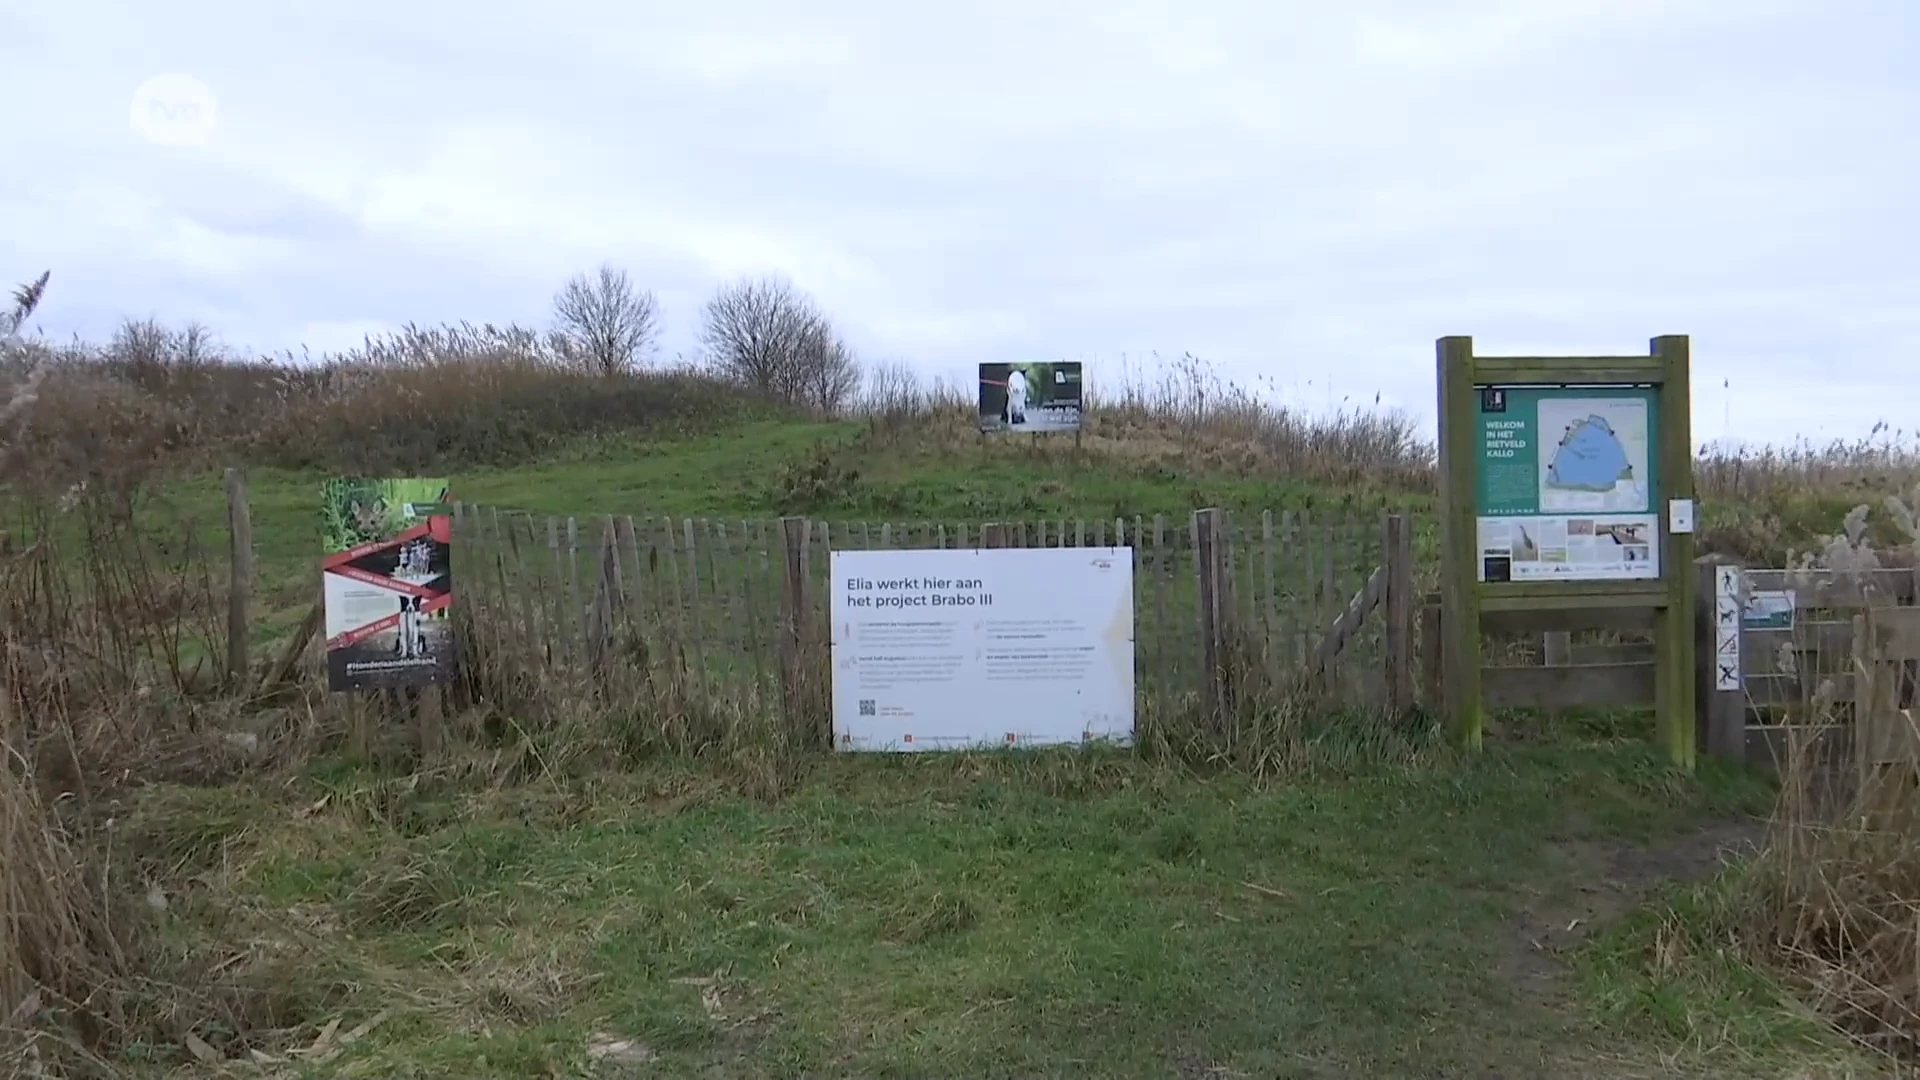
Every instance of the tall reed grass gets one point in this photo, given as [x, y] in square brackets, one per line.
[107, 682]
[1181, 414]
[116, 415]
[1833, 902]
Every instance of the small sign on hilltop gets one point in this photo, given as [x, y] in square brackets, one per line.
[1041, 396]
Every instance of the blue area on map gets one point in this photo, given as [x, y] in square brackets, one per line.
[1590, 458]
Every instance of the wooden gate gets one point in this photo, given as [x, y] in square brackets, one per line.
[1813, 659]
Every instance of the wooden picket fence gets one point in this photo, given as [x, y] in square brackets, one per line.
[1845, 668]
[728, 617]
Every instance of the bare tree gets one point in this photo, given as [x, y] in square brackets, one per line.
[769, 335]
[196, 344]
[829, 375]
[142, 342]
[605, 321]
[891, 388]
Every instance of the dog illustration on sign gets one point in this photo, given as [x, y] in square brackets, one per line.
[410, 642]
[1016, 397]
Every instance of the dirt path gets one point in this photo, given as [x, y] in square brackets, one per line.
[1603, 881]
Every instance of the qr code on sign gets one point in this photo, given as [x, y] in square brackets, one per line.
[867, 707]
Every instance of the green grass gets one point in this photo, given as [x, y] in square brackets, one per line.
[770, 468]
[759, 471]
[1048, 914]
[1672, 968]
[1032, 915]
[845, 472]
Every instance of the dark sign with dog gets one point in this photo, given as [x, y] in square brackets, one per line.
[388, 583]
[1040, 396]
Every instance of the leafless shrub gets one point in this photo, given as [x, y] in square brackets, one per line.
[155, 401]
[892, 388]
[772, 338]
[606, 321]
[829, 376]
[900, 406]
[196, 343]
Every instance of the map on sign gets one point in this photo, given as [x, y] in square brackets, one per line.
[1593, 455]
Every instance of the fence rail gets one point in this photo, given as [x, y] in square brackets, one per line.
[723, 615]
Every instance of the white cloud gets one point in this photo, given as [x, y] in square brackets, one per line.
[1298, 192]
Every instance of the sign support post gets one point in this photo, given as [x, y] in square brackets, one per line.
[1566, 488]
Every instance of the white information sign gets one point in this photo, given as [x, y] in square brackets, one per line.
[1598, 547]
[952, 649]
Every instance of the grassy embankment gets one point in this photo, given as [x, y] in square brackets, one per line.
[1387, 910]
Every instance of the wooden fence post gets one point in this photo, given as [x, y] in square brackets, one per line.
[993, 536]
[1216, 611]
[1397, 543]
[240, 579]
[1432, 665]
[360, 709]
[794, 609]
[1556, 647]
[430, 711]
[606, 597]
[579, 614]
[564, 629]
[1720, 725]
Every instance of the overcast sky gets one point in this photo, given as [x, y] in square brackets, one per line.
[1304, 194]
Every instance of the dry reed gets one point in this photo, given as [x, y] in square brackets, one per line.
[1833, 902]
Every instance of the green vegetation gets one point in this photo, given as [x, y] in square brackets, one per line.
[1038, 914]
[834, 470]
[569, 903]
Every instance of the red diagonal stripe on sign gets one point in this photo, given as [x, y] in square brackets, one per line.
[361, 552]
[361, 633]
[395, 584]
[386, 622]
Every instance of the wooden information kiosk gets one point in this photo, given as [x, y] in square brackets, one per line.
[1566, 495]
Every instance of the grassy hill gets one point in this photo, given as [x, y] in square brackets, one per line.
[1382, 907]
[515, 427]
